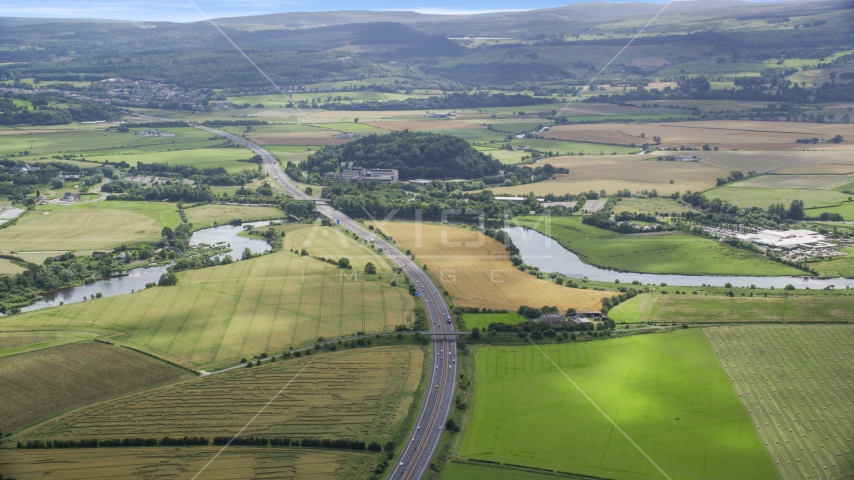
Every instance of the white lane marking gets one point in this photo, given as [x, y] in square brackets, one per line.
[600, 410]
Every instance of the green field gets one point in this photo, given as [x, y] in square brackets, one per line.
[215, 316]
[23, 342]
[650, 206]
[667, 392]
[766, 363]
[43, 383]
[564, 147]
[846, 210]
[676, 254]
[657, 307]
[763, 197]
[88, 226]
[482, 320]
[208, 215]
[9, 268]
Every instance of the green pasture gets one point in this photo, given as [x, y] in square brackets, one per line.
[482, 320]
[507, 157]
[846, 209]
[88, 226]
[208, 215]
[675, 254]
[665, 392]
[97, 141]
[687, 308]
[201, 158]
[23, 342]
[764, 197]
[650, 206]
[216, 316]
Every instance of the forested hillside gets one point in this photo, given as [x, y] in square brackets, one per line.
[413, 154]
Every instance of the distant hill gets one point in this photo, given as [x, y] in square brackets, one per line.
[413, 154]
[374, 37]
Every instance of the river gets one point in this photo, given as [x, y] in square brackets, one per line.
[538, 250]
[136, 279]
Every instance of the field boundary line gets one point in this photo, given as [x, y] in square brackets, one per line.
[608, 417]
[253, 418]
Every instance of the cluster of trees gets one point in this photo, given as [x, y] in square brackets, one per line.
[115, 442]
[612, 301]
[413, 154]
[430, 202]
[173, 192]
[734, 176]
[65, 270]
[774, 89]
[51, 109]
[531, 312]
[501, 73]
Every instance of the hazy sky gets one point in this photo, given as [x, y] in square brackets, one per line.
[183, 10]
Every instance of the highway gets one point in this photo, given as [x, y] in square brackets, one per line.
[423, 440]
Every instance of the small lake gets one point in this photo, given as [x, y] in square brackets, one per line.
[136, 279]
[538, 250]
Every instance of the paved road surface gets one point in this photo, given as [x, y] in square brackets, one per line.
[424, 439]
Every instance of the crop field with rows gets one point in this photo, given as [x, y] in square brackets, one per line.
[182, 462]
[353, 394]
[796, 383]
[477, 272]
[39, 384]
[670, 401]
[215, 316]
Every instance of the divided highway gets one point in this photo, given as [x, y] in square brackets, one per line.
[424, 439]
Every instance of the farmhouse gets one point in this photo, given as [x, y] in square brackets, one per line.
[553, 318]
[441, 114]
[359, 174]
[687, 158]
[221, 105]
[70, 197]
[347, 135]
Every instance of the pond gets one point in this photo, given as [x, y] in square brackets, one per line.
[538, 250]
[137, 278]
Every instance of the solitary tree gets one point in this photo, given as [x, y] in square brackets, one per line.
[344, 262]
[370, 268]
[247, 254]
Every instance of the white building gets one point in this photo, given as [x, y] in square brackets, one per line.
[786, 240]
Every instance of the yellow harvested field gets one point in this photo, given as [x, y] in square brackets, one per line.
[618, 172]
[353, 394]
[742, 135]
[477, 272]
[332, 243]
[207, 215]
[184, 462]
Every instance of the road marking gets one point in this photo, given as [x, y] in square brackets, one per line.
[600, 409]
[253, 418]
